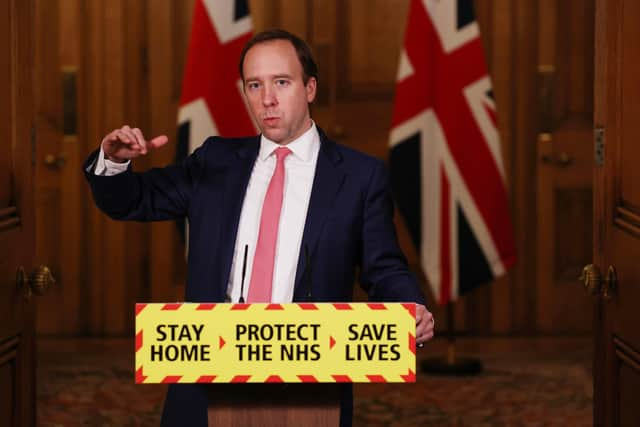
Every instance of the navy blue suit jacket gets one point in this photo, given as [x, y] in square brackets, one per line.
[349, 226]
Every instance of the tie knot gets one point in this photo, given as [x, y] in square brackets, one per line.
[281, 153]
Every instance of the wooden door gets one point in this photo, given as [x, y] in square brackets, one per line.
[17, 367]
[58, 181]
[617, 213]
[564, 163]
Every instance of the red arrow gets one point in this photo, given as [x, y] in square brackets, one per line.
[410, 377]
[140, 377]
[222, 342]
[332, 342]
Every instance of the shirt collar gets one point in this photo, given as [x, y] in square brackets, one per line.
[302, 147]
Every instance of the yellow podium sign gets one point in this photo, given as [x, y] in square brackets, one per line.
[312, 342]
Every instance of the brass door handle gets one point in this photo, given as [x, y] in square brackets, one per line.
[591, 278]
[55, 161]
[37, 283]
[610, 283]
[593, 283]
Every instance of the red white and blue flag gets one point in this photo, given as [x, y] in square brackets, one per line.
[212, 101]
[446, 165]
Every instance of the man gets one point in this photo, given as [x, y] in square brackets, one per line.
[289, 195]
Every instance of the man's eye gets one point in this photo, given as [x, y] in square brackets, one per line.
[282, 82]
[253, 85]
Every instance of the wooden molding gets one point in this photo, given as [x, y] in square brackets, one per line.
[627, 220]
[627, 353]
[9, 218]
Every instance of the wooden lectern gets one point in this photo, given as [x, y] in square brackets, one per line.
[266, 405]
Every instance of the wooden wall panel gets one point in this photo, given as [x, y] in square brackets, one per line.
[163, 110]
[47, 180]
[565, 131]
[115, 92]
[114, 97]
[323, 36]
[69, 181]
[181, 31]
[92, 101]
[132, 77]
[370, 36]
[57, 198]
[376, 33]
[265, 14]
[524, 131]
[5, 127]
[497, 28]
[294, 16]
[136, 89]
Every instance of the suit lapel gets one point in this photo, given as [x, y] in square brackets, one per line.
[238, 175]
[326, 184]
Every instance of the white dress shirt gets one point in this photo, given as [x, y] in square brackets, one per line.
[105, 167]
[300, 167]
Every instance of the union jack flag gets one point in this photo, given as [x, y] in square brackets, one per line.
[212, 101]
[446, 165]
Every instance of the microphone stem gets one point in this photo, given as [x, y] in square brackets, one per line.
[244, 271]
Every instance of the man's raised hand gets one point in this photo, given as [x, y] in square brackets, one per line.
[128, 143]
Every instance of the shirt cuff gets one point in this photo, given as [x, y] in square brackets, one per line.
[105, 167]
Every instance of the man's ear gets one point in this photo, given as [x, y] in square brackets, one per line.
[311, 89]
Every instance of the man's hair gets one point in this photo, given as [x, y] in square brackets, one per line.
[309, 67]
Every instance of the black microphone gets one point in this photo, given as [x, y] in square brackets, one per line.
[244, 271]
[307, 271]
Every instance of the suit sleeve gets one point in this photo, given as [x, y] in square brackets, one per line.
[384, 273]
[155, 195]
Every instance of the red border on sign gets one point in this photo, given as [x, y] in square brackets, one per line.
[410, 377]
[140, 377]
[206, 307]
[376, 378]
[412, 343]
[206, 378]
[411, 308]
[138, 341]
[140, 307]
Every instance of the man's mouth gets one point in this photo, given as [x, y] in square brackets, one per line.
[271, 120]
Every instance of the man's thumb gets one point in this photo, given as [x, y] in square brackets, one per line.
[159, 141]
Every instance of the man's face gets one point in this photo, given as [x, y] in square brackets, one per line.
[275, 91]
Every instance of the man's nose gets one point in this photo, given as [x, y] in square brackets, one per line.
[269, 97]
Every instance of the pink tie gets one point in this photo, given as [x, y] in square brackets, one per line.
[263, 260]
